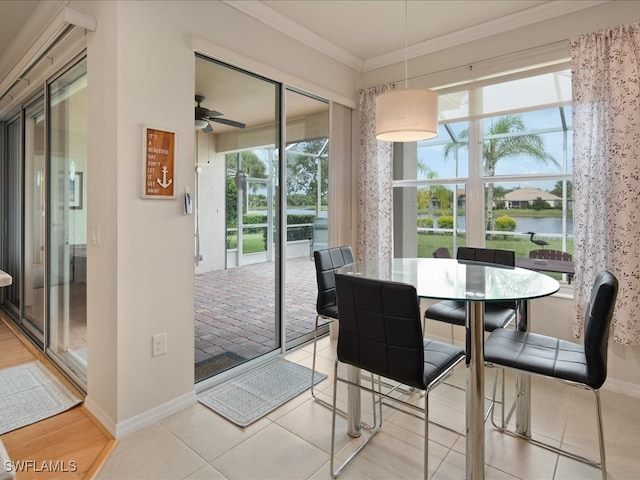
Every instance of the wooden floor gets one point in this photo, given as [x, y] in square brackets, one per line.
[73, 443]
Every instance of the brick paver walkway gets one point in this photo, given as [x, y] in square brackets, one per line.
[235, 309]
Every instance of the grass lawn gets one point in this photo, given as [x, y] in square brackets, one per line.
[251, 243]
[522, 246]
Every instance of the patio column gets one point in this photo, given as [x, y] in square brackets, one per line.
[405, 203]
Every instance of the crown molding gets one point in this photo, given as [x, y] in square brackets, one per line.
[264, 13]
[24, 40]
[514, 21]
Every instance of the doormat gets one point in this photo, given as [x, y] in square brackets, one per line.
[30, 393]
[214, 365]
[254, 394]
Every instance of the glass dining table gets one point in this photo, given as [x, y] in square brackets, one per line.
[475, 284]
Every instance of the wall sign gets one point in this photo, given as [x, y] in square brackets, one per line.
[159, 163]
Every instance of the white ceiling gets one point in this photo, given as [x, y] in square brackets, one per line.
[364, 34]
[369, 34]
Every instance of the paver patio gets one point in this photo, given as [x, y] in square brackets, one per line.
[235, 312]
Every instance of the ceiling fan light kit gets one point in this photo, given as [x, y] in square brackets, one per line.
[203, 116]
[407, 115]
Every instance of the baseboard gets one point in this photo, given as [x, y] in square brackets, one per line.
[155, 414]
[618, 386]
[143, 420]
[99, 414]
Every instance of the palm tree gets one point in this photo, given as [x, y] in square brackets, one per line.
[505, 139]
[439, 192]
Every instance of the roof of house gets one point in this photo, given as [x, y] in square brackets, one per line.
[528, 194]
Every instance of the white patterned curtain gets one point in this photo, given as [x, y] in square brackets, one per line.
[606, 142]
[374, 183]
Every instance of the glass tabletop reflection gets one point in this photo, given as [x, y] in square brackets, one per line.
[451, 279]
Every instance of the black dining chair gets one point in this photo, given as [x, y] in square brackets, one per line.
[380, 332]
[496, 315]
[327, 261]
[441, 252]
[582, 365]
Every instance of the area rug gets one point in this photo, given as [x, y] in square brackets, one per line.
[212, 366]
[30, 393]
[252, 395]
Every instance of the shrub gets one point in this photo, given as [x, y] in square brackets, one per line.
[505, 224]
[425, 222]
[445, 221]
[540, 204]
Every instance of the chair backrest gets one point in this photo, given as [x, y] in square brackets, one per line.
[320, 238]
[380, 328]
[327, 262]
[490, 255]
[550, 255]
[442, 252]
[596, 326]
[487, 255]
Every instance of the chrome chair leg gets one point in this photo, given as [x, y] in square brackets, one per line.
[505, 420]
[313, 364]
[335, 473]
[603, 465]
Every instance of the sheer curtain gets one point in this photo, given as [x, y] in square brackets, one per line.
[374, 183]
[606, 132]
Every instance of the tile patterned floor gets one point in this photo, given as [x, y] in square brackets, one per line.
[293, 442]
[234, 309]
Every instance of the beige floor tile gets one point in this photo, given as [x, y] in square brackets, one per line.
[394, 453]
[206, 473]
[569, 469]
[153, 453]
[312, 422]
[272, 453]
[207, 433]
[294, 440]
[453, 467]
[350, 473]
[518, 457]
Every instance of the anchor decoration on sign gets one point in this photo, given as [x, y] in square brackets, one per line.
[164, 183]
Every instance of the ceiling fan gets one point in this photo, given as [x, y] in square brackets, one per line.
[204, 116]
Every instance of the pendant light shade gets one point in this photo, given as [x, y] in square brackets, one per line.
[407, 115]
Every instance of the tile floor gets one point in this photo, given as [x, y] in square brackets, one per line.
[293, 442]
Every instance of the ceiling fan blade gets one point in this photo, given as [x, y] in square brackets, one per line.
[231, 123]
[208, 128]
[213, 113]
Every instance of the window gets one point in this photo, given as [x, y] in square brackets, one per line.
[500, 167]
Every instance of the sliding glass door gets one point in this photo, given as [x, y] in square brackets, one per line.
[67, 226]
[238, 221]
[11, 253]
[307, 191]
[255, 284]
[34, 219]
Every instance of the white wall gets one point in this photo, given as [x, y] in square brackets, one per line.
[141, 72]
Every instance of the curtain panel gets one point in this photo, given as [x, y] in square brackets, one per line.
[375, 193]
[606, 135]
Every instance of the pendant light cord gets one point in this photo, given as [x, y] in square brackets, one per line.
[406, 69]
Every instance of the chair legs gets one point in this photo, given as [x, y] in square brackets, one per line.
[423, 415]
[502, 428]
[373, 430]
[313, 367]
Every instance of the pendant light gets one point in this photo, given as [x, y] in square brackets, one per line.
[406, 115]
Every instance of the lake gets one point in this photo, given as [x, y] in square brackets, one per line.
[540, 225]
